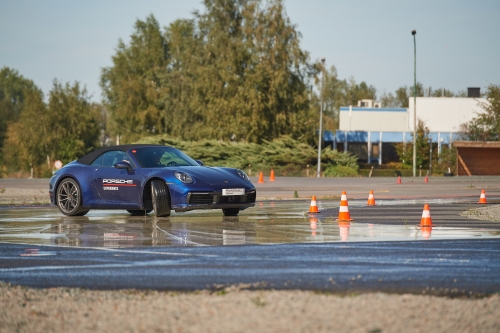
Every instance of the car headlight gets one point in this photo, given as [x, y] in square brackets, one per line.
[243, 174]
[183, 177]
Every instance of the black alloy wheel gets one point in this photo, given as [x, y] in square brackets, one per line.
[69, 198]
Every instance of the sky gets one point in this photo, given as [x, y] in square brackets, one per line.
[457, 41]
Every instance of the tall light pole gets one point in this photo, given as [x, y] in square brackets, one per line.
[321, 116]
[414, 32]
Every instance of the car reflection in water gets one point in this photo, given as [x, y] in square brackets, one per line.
[136, 232]
[270, 224]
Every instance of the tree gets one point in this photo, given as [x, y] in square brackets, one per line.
[13, 90]
[441, 92]
[73, 128]
[388, 100]
[66, 128]
[400, 99]
[404, 93]
[234, 72]
[486, 126]
[337, 93]
[405, 150]
[27, 143]
[131, 87]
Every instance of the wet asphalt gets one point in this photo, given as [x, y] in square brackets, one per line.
[451, 267]
[274, 245]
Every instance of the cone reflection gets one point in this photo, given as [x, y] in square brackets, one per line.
[426, 231]
[344, 230]
[313, 223]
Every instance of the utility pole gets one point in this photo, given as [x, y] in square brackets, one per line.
[321, 116]
[414, 32]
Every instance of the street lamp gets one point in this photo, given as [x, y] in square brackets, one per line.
[414, 32]
[321, 116]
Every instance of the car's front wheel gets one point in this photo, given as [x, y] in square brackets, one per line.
[69, 198]
[160, 197]
[231, 211]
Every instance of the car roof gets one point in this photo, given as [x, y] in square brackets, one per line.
[90, 157]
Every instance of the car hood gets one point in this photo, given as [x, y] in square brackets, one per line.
[213, 176]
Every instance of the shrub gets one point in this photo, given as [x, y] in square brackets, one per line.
[285, 155]
[340, 171]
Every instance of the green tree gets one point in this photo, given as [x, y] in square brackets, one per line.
[13, 87]
[405, 150]
[132, 86]
[338, 92]
[388, 100]
[400, 98]
[72, 122]
[403, 94]
[234, 72]
[66, 128]
[252, 83]
[486, 126]
[27, 143]
[441, 92]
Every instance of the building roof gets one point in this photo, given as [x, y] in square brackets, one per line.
[357, 109]
[476, 144]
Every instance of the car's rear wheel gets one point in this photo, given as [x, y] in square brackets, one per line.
[69, 198]
[231, 211]
[160, 197]
[139, 212]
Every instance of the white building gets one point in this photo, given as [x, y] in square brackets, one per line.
[370, 132]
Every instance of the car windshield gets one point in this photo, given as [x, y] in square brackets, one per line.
[159, 157]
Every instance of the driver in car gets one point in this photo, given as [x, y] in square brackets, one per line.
[157, 159]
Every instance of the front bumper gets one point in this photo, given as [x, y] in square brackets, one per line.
[215, 200]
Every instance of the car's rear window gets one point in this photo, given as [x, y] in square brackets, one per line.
[159, 157]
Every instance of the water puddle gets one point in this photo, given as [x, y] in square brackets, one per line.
[267, 223]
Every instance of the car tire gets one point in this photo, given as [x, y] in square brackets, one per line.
[83, 213]
[139, 212]
[69, 198]
[231, 211]
[160, 197]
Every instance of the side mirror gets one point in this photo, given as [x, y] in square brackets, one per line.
[123, 165]
[199, 162]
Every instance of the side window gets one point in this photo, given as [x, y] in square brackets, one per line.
[111, 157]
[97, 161]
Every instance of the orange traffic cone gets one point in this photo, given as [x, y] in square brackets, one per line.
[399, 179]
[261, 178]
[426, 217]
[371, 199]
[482, 198]
[314, 207]
[344, 215]
[426, 179]
[271, 178]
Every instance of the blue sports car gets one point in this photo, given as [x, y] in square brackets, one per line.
[142, 178]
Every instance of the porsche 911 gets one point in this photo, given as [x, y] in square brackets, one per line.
[143, 178]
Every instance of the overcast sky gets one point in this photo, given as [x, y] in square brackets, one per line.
[458, 42]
